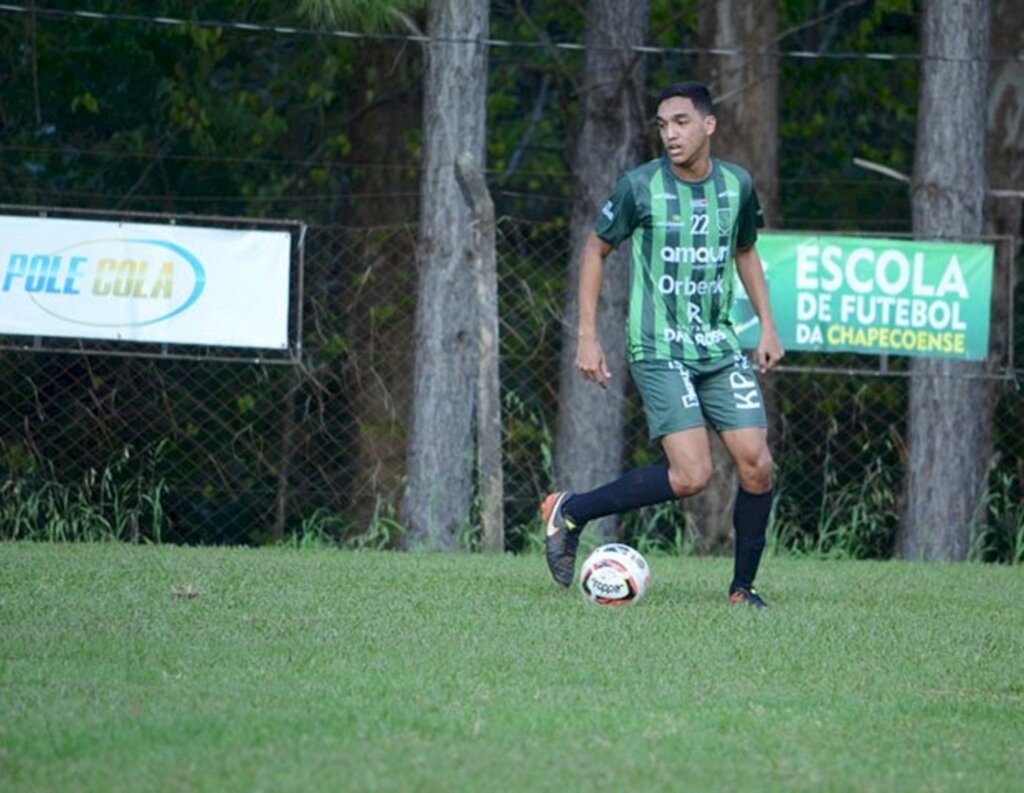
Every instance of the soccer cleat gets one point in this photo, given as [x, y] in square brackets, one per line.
[561, 539]
[748, 595]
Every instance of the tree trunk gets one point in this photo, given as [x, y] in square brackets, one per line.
[380, 359]
[589, 442]
[440, 448]
[950, 416]
[1005, 156]
[490, 478]
[745, 89]
[746, 94]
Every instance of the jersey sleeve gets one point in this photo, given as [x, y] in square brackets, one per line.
[751, 218]
[617, 218]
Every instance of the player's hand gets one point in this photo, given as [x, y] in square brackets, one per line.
[591, 362]
[769, 349]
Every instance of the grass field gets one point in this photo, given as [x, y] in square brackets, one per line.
[166, 668]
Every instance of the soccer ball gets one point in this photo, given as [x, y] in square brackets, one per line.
[615, 575]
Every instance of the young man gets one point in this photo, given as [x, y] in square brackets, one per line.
[690, 219]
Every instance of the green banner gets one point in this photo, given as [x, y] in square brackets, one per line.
[876, 296]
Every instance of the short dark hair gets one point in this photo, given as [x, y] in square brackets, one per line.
[690, 89]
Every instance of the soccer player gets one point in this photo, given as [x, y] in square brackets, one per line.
[691, 220]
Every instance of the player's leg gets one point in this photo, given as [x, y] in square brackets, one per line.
[674, 416]
[749, 449]
[564, 514]
[732, 400]
[689, 461]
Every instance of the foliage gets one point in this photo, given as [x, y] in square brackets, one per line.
[856, 519]
[531, 292]
[123, 500]
[366, 15]
[835, 109]
[532, 107]
[115, 115]
[840, 468]
[323, 528]
[999, 534]
[118, 114]
[661, 529]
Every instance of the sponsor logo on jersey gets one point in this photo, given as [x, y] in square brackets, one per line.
[718, 254]
[700, 338]
[668, 285]
[608, 211]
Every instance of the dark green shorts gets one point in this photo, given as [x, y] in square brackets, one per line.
[677, 397]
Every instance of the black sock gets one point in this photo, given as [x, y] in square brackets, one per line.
[750, 519]
[638, 488]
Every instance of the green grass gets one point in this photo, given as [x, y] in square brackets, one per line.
[164, 668]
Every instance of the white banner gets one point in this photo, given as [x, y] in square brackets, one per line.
[144, 282]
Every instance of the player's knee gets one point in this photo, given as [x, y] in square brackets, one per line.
[755, 473]
[691, 480]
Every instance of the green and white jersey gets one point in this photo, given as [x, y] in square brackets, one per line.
[683, 239]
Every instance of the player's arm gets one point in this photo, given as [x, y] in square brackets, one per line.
[589, 354]
[748, 265]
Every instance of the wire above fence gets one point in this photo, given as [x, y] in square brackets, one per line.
[288, 30]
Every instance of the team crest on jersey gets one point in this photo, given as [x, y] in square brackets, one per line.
[724, 221]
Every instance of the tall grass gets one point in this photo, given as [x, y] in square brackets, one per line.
[998, 534]
[856, 519]
[324, 528]
[123, 500]
[855, 515]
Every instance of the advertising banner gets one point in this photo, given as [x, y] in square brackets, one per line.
[876, 296]
[144, 282]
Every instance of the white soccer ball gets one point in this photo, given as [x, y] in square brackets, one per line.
[615, 575]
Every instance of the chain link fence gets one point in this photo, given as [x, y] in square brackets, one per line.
[99, 442]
